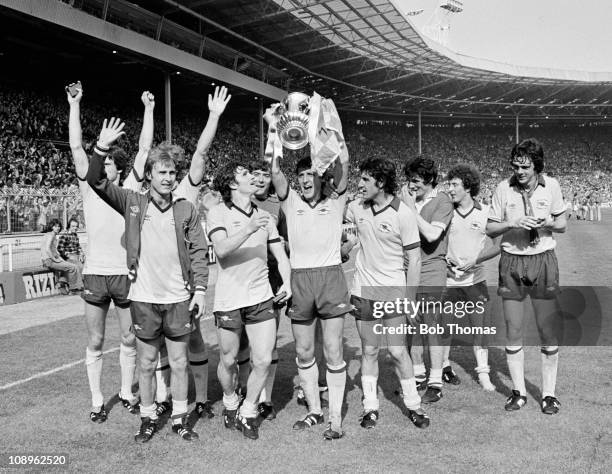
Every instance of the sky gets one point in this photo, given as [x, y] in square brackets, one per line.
[562, 34]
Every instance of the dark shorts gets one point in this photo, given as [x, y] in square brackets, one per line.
[472, 293]
[237, 318]
[431, 299]
[469, 303]
[533, 275]
[433, 273]
[151, 320]
[370, 310]
[318, 292]
[101, 289]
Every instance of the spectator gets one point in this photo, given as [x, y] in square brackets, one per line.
[52, 260]
[69, 248]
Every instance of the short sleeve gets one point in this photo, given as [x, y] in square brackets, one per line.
[339, 206]
[557, 207]
[188, 190]
[132, 183]
[289, 202]
[210, 200]
[443, 213]
[349, 215]
[496, 213]
[273, 236]
[409, 229]
[215, 221]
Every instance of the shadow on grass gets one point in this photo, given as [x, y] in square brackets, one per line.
[497, 361]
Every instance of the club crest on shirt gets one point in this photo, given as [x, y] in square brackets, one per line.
[541, 203]
[385, 227]
[324, 211]
[475, 226]
[300, 212]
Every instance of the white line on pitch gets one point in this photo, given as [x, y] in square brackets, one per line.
[64, 367]
[52, 371]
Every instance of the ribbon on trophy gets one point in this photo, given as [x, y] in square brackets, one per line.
[274, 147]
[325, 134]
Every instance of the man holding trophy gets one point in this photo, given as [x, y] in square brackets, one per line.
[314, 225]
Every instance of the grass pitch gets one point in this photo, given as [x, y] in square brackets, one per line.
[470, 431]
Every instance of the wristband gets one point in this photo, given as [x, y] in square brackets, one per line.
[101, 148]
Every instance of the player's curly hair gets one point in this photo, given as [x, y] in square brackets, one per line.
[164, 153]
[532, 149]
[424, 168]
[469, 176]
[224, 177]
[383, 171]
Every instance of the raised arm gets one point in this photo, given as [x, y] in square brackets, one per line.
[279, 180]
[216, 106]
[344, 161]
[81, 163]
[145, 142]
[113, 195]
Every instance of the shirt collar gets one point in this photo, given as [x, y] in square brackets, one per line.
[174, 196]
[319, 201]
[515, 183]
[393, 204]
[231, 205]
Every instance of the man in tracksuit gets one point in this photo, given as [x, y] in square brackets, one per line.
[166, 259]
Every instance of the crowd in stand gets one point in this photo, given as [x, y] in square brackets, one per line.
[34, 154]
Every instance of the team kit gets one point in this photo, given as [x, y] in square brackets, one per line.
[279, 248]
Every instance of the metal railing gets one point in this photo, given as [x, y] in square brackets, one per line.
[29, 209]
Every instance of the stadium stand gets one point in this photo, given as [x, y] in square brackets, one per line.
[37, 179]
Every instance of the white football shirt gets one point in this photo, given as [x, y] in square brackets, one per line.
[314, 231]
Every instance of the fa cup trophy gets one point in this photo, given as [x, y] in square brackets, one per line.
[291, 119]
[301, 120]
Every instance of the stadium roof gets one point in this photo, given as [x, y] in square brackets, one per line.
[364, 54]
